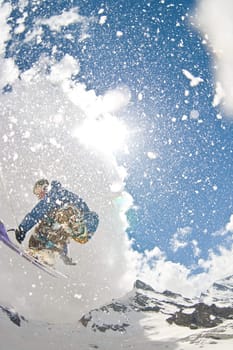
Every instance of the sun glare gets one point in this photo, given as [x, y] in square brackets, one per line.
[107, 134]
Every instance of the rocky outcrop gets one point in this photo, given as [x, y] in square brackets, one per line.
[13, 316]
[203, 316]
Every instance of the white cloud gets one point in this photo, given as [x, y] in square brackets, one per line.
[214, 18]
[166, 275]
[224, 230]
[64, 69]
[177, 244]
[92, 105]
[150, 256]
[154, 268]
[116, 99]
[65, 19]
[23, 4]
[5, 10]
[8, 72]
[57, 22]
[229, 225]
[216, 266]
[107, 134]
[219, 94]
[180, 240]
[196, 249]
[100, 129]
[35, 33]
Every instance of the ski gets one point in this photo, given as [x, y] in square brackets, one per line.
[7, 242]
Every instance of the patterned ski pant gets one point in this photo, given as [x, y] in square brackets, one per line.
[54, 231]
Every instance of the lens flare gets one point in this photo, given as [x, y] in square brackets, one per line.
[106, 134]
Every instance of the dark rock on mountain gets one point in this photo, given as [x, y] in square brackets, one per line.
[13, 316]
[203, 316]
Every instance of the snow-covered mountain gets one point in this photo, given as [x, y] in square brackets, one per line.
[220, 293]
[142, 318]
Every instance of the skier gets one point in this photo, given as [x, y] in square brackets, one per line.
[59, 215]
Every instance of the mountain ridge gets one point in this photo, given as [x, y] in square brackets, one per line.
[193, 313]
[141, 318]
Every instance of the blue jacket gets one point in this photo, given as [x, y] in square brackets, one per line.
[56, 198]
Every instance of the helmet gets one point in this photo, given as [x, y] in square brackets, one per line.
[44, 183]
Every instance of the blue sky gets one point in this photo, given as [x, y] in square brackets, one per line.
[179, 146]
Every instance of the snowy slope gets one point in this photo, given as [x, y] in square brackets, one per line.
[142, 318]
[221, 292]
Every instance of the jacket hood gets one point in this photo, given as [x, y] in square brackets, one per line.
[55, 184]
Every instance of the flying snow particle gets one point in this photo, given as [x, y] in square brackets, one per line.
[152, 155]
[194, 114]
[102, 20]
[54, 142]
[119, 33]
[15, 156]
[181, 43]
[184, 117]
[38, 39]
[26, 134]
[140, 96]
[19, 29]
[194, 81]
[77, 296]
[36, 147]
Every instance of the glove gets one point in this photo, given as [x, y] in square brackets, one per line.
[19, 235]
